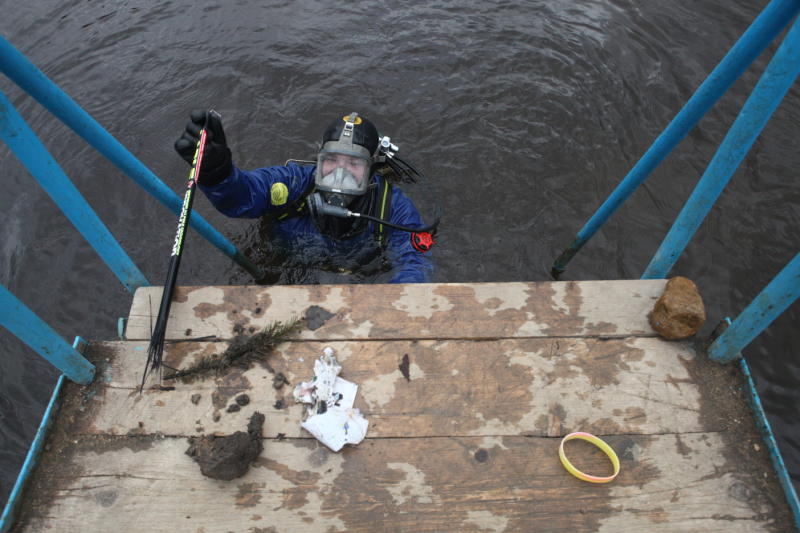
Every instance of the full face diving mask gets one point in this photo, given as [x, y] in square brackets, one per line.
[342, 166]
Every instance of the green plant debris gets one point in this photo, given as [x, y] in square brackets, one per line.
[242, 351]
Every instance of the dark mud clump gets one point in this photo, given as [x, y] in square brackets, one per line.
[228, 457]
[316, 316]
[243, 399]
[279, 381]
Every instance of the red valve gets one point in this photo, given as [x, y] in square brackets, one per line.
[422, 242]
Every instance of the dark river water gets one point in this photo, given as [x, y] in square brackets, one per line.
[525, 114]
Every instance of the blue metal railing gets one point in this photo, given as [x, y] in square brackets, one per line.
[9, 512]
[772, 86]
[772, 445]
[25, 74]
[764, 29]
[756, 112]
[32, 153]
[24, 143]
[771, 302]
[34, 332]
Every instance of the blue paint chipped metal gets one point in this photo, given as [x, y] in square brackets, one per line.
[761, 32]
[772, 445]
[31, 152]
[17, 318]
[773, 85]
[762, 311]
[32, 80]
[10, 510]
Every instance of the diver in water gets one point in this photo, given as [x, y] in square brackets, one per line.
[344, 201]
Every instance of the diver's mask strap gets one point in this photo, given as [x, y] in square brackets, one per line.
[349, 124]
[347, 132]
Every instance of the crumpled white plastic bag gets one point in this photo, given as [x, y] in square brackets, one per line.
[331, 416]
[337, 427]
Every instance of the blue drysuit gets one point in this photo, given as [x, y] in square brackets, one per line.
[251, 194]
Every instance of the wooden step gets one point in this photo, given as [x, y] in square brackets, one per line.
[497, 374]
[419, 311]
[456, 387]
[667, 483]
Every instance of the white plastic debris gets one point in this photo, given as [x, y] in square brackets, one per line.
[337, 427]
[331, 416]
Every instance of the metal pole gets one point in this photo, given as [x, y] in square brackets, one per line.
[766, 307]
[25, 74]
[768, 93]
[772, 446]
[14, 499]
[755, 39]
[28, 148]
[33, 331]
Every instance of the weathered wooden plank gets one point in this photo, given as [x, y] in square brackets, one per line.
[668, 483]
[455, 387]
[414, 311]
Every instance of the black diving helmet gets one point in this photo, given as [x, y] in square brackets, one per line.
[344, 164]
[352, 151]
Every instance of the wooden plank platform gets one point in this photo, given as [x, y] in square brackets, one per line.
[497, 374]
[414, 311]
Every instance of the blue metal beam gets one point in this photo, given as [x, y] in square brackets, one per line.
[25, 74]
[761, 32]
[14, 499]
[756, 112]
[33, 331]
[766, 307]
[772, 446]
[29, 149]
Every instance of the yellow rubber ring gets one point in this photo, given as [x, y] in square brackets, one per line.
[588, 437]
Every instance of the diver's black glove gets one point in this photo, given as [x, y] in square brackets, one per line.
[216, 164]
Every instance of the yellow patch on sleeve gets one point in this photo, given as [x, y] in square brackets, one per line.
[278, 193]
